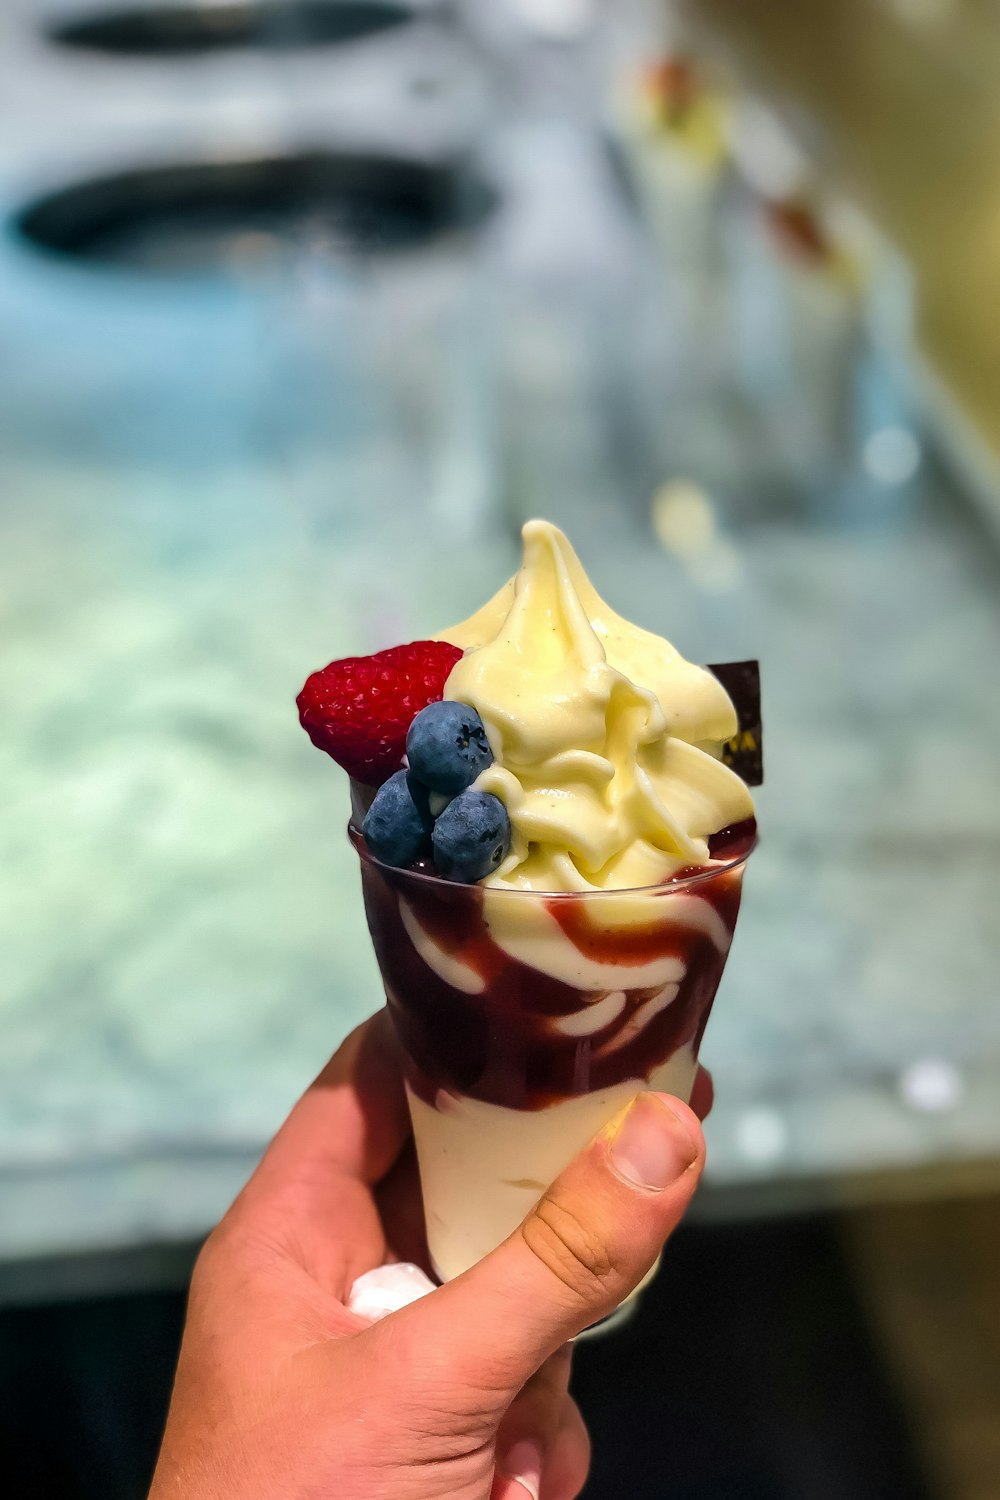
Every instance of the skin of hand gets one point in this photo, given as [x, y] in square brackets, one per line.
[282, 1393]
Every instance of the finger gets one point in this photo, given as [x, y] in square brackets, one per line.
[529, 1430]
[353, 1117]
[567, 1463]
[703, 1093]
[401, 1209]
[583, 1248]
[311, 1194]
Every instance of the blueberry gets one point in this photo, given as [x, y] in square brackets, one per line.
[447, 746]
[471, 837]
[397, 826]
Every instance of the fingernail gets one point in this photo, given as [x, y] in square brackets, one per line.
[651, 1146]
[523, 1463]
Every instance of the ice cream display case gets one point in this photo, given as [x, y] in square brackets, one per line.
[223, 470]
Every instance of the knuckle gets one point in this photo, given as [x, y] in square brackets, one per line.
[221, 1251]
[570, 1248]
[210, 1260]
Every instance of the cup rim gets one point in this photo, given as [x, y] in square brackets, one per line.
[422, 879]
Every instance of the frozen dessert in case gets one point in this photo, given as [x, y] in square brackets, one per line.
[552, 851]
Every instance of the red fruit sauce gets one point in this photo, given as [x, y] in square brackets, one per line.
[502, 1045]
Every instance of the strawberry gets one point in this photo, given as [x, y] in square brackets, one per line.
[359, 709]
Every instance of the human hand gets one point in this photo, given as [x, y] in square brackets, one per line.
[282, 1393]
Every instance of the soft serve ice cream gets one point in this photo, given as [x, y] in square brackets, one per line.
[606, 740]
[572, 955]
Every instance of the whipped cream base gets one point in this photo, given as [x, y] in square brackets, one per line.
[484, 1166]
[529, 933]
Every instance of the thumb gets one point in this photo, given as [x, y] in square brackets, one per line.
[585, 1245]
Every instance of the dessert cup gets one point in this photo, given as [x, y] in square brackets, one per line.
[528, 1020]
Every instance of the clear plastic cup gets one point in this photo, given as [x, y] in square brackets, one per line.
[528, 1020]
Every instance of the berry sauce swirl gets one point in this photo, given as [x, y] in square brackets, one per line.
[526, 1039]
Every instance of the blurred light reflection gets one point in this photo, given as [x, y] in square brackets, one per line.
[684, 518]
[892, 455]
[931, 1085]
[761, 1135]
[684, 521]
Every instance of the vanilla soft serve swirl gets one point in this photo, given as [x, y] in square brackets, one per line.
[605, 739]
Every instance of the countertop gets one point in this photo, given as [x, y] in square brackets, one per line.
[181, 922]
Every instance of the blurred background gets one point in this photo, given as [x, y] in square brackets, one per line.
[305, 305]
